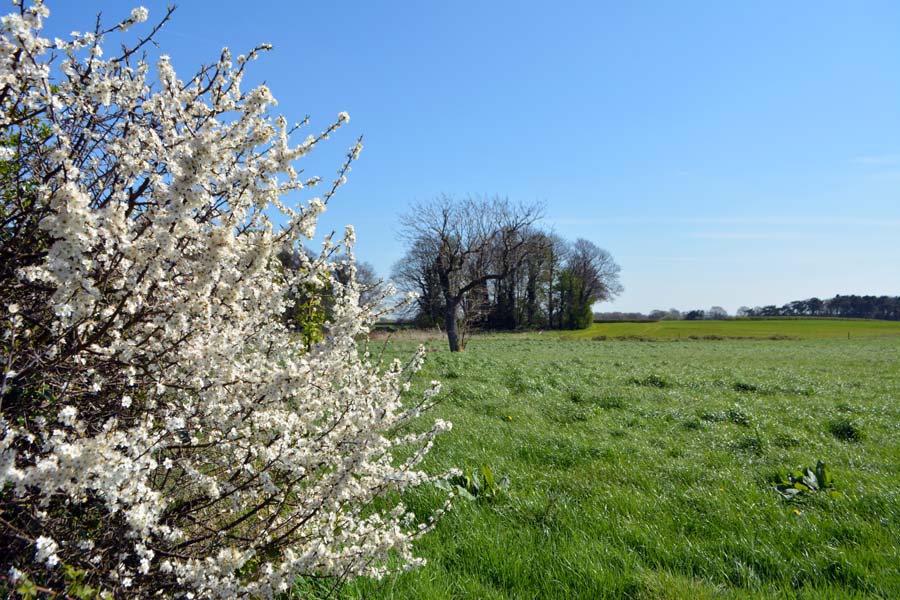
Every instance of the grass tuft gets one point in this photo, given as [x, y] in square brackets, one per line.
[655, 381]
[845, 430]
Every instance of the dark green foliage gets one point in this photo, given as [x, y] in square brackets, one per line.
[740, 386]
[575, 309]
[308, 313]
[732, 415]
[77, 586]
[76, 582]
[738, 416]
[655, 381]
[785, 441]
[577, 396]
[845, 430]
[609, 402]
[754, 444]
[847, 307]
[309, 306]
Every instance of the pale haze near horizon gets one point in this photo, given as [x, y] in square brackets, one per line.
[724, 154]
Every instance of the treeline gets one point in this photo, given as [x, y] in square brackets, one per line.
[484, 263]
[673, 314]
[840, 307]
[845, 307]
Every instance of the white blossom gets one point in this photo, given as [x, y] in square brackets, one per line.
[139, 14]
[67, 415]
[161, 390]
[46, 551]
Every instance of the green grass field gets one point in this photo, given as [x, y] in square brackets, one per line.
[742, 329]
[646, 469]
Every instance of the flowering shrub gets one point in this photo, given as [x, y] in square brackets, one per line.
[161, 432]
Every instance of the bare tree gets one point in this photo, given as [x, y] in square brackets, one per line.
[717, 313]
[597, 271]
[464, 245]
[415, 273]
[371, 286]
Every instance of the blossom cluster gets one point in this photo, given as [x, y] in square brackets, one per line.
[161, 431]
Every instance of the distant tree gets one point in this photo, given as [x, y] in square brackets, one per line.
[466, 244]
[673, 314]
[694, 315]
[598, 270]
[816, 307]
[371, 287]
[848, 307]
[797, 308]
[416, 273]
[591, 275]
[767, 311]
[574, 313]
[717, 313]
[620, 316]
[744, 311]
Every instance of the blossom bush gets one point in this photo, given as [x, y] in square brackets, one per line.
[161, 432]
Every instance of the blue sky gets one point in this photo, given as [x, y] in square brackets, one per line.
[725, 153]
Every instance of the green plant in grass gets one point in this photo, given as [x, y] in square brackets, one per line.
[472, 486]
[799, 484]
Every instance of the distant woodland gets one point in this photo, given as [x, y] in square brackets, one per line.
[841, 307]
[846, 307]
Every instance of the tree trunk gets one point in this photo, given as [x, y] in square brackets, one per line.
[531, 307]
[551, 281]
[451, 326]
